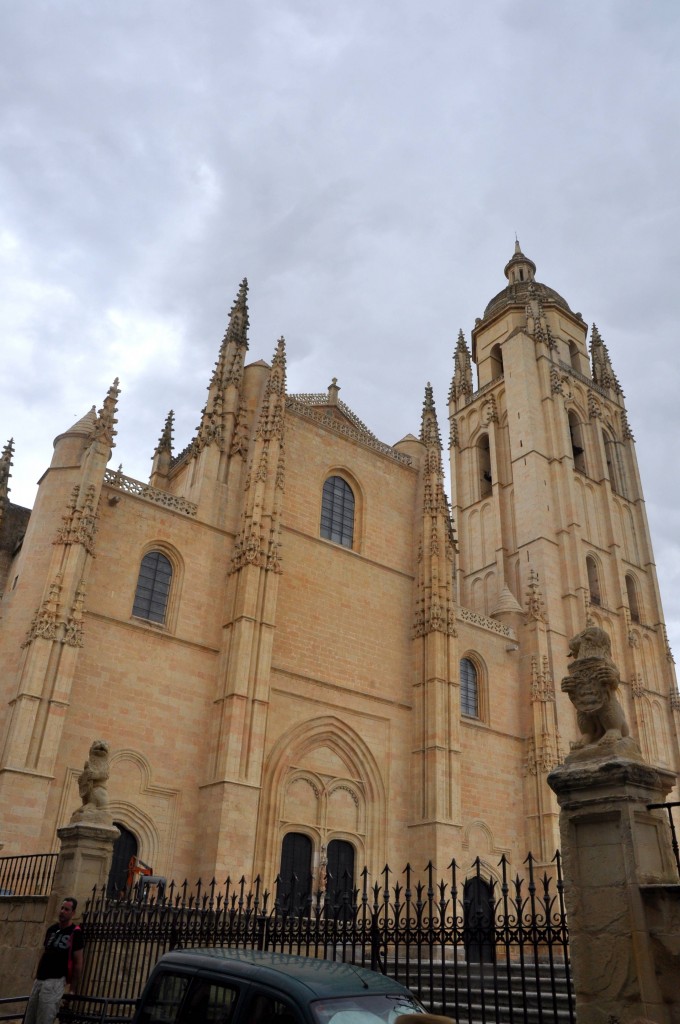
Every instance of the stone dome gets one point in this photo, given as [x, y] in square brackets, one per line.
[523, 286]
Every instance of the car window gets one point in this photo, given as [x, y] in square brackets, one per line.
[208, 1002]
[375, 1008]
[266, 1009]
[163, 1001]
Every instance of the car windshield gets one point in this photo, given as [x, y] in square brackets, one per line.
[378, 1008]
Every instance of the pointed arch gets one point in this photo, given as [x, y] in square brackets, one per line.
[496, 360]
[341, 510]
[615, 464]
[577, 441]
[485, 479]
[633, 595]
[362, 780]
[594, 579]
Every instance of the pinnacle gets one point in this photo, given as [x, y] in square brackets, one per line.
[5, 467]
[165, 440]
[429, 427]
[237, 329]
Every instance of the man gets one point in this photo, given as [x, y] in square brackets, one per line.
[60, 965]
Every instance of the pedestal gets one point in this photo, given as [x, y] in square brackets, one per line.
[84, 863]
[611, 844]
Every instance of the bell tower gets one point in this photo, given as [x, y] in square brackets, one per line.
[549, 507]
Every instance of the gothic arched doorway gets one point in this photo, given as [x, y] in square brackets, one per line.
[478, 904]
[124, 848]
[340, 879]
[295, 873]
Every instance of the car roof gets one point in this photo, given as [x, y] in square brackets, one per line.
[298, 976]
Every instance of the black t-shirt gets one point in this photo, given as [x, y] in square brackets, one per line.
[54, 961]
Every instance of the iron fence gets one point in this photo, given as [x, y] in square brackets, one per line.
[471, 946]
[29, 875]
[13, 1008]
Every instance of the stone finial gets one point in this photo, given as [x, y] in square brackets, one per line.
[92, 783]
[333, 389]
[591, 684]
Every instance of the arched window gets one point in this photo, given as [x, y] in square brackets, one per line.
[295, 874]
[633, 604]
[573, 355]
[615, 468]
[593, 581]
[337, 511]
[153, 587]
[496, 362]
[484, 456]
[577, 446]
[469, 689]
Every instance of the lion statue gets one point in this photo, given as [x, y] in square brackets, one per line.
[591, 684]
[92, 785]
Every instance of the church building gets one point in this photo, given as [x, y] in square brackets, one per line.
[302, 654]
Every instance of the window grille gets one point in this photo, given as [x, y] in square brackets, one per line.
[337, 511]
[153, 587]
[469, 689]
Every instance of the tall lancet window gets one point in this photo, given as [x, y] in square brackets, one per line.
[484, 457]
[469, 689]
[593, 581]
[337, 511]
[153, 587]
[577, 444]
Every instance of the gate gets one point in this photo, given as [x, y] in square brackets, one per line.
[469, 946]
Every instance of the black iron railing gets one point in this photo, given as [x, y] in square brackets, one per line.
[472, 946]
[668, 808]
[13, 1008]
[28, 875]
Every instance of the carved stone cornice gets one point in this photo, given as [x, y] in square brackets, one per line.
[116, 479]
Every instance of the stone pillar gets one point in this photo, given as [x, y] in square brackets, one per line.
[84, 862]
[611, 845]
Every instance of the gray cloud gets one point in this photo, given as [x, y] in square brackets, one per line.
[366, 165]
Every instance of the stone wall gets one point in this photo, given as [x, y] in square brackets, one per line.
[22, 929]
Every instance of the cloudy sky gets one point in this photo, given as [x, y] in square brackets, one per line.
[366, 165]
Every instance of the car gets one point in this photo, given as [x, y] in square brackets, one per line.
[243, 986]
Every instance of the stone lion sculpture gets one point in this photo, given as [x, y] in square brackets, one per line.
[591, 684]
[92, 785]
